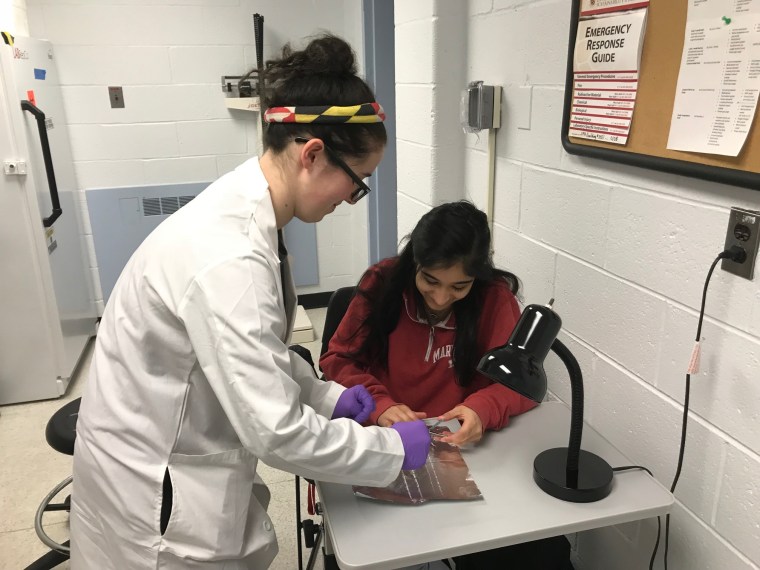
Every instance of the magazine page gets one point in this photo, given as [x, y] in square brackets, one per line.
[444, 477]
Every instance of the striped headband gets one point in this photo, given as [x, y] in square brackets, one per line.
[326, 114]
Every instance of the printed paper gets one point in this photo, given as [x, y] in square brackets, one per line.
[719, 80]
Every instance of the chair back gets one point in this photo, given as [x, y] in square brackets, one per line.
[61, 430]
[336, 309]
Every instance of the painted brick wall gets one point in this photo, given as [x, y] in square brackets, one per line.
[625, 252]
[169, 56]
[430, 73]
[13, 17]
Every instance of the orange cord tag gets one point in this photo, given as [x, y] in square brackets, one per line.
[694, 362]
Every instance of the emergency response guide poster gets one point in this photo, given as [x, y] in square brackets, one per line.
[606, 74]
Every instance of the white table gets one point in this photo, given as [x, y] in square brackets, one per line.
[370, 535]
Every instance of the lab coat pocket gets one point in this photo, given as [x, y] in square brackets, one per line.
[212, 494]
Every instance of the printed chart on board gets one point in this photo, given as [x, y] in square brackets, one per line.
[606, 69]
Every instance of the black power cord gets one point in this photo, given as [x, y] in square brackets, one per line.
[738, 255]
[659, 522]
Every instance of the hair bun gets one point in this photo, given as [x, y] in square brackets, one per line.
[324, 56]
[328, 55]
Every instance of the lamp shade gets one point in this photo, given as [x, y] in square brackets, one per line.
[519, 364]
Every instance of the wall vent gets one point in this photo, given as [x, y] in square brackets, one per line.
[169, 205]
[151, 207]
[165, 205]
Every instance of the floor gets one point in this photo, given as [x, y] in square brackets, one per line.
[29, 469]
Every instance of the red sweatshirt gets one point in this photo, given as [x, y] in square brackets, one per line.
[420, 369]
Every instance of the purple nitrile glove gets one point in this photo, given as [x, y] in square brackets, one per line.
[416, 439]
[355, 403]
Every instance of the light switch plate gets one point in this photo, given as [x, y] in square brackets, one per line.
[116, 95]
[744, 231]
[523, 106]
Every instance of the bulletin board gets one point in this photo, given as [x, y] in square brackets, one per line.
[650, 127]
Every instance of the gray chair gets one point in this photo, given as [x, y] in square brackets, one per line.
[309, 532]
[60, 434]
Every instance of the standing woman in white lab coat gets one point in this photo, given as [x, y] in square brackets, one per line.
[192, 383]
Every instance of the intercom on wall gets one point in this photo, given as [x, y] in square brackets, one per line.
[480, 107]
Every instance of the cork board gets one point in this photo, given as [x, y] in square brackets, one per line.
[658, 77]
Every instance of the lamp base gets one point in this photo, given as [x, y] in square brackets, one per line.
[594, 476]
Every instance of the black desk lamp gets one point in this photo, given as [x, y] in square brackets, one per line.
[568, 473]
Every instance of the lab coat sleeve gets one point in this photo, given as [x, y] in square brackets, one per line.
[496, 403]
[320, 395]
[234, 320]
[339, 364]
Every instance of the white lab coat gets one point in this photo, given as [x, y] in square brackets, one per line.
[191, 373]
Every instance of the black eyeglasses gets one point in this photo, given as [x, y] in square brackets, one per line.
[361, 188]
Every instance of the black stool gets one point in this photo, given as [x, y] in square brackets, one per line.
[60, 434]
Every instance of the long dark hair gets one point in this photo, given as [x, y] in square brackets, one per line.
[450, 233]
[323, 73]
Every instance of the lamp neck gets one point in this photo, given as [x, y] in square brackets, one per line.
[576, 407]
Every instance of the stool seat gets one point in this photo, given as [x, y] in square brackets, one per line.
[61, 428]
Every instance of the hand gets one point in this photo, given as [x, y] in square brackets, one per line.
[416, 439]
[399, 413]
[471, 430]
[355, 403]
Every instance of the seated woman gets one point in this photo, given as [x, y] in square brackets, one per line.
[420, 322]
[414, 334]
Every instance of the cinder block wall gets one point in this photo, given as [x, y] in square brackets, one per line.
[624, 251]
[431, 47]
[169, 56]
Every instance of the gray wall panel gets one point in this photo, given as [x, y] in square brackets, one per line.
[121, 218]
